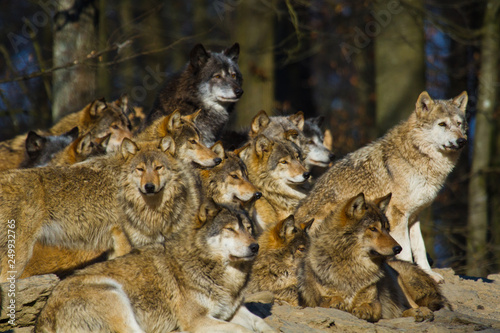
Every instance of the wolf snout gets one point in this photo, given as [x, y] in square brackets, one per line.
[461, 142]
[257, 195]
[254, 248]
[149, 188]
[331, 157]
[217, 160]
[238, 92]
[397, 249]
[306, 175]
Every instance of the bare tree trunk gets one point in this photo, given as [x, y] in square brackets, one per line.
[399, 59]
[104, 73]
[483, 140]
[75, 35]
[255, 33]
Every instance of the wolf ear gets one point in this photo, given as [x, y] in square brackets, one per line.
[198, 56]
[288, 227]
[262, 145]
[207, 210]
[128, 147]
[356, 207]
[383, 203]
[318, 121]
[104, 141]
[218, 149]
[174, 121]
[192, 117]
[328, 140]
[461, 101]
[307, 225]
[424, 104]
[96, 107]
[167, 145]
[83, 145]
[123, 103]
[241, 152]
[34, 143]
[259, 122]
[298, 120]
[233, 52]
[72, 133]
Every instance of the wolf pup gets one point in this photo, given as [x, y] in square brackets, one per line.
[412, 161]
[87, 206]
[346, 265]
[193, 282]
[275, 168]
[211, 81]
[275, 269]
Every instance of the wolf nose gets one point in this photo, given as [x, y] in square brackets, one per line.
[331, 156]
[150, 188]
[254, 247]
[217, 160]
[461, 142]
[397, 249]
[306, 175]
[238, 92]
[257, 195]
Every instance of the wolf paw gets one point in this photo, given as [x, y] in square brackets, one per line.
[420, 314]
[436, 276]
[335, 302]
[365, 312]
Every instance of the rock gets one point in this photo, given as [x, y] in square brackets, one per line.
[24, 302]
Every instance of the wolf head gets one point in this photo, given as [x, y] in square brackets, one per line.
[79, 150]
[189, 147]
[444, 121]
[227, 183]
[148, 165]
[105, 119]
[226, 234]
[363, 228]
[274, 165]
[319, 154]
[286, 236]
[218, 74]
[40, 150]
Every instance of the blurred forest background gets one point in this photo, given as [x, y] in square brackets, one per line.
[361, 64]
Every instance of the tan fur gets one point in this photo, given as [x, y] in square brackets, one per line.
[193, 283]
[275, 168]
[346, 266]
[275, 269]
[412, 161]
[80, 207]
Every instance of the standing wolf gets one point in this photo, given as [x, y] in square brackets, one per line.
[211, 82]
[411, 161]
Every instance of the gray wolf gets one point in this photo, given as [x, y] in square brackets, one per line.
[281, 248]
[192, 283]
[41, 149]
[275, 168]
[187, 138]
[411, 161]
[99, 118]
[211, 81]
[227, 183]
[142, 190]
[347, 266]
[319, 154]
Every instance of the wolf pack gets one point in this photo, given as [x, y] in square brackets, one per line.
[170, 222]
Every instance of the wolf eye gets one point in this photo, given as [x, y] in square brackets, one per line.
[115, 127]
[234, 176]
[233, 76]
[159, 167]
[442, 124]
[230, 229]
[217, 76]
[192, 141]
[283, 162]
[301, 248]
[373, 229]
[140, 169]
[459, 124]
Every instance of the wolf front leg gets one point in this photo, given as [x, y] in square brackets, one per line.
[399, 231]
[247, 319]
[419, 252]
